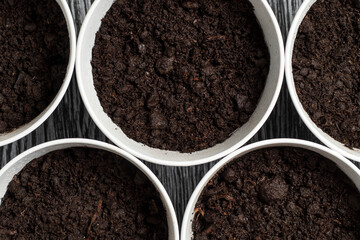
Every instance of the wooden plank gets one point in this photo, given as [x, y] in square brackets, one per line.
[71, 119]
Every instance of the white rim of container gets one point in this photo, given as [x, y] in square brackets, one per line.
[18, 163]
[267, 102]
[353, 154]
[344, 164]
[12, 136]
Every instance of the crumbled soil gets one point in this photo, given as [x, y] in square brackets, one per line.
[180, 75]
[82, 193]
[278, 193]
[34, 46]
[326, 68]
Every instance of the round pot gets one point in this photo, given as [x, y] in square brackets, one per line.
[27, 128]
[353, 154]
[17, 164]
[345, 165]
[266, 103]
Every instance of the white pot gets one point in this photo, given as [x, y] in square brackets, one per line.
[353, 154]
[27, 128]
[267, 101]
[17, 164]
[345, 165]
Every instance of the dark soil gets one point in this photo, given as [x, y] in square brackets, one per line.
[82, 194]
[326, 68]
[180, 75]
[34, 47]
[278, 193]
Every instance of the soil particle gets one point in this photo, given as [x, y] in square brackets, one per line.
[278, 193]
[34, 46]
[273, 189]
[192, 70]
[326, 68]
[82, 193]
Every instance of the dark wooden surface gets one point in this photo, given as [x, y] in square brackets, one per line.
[71, 119]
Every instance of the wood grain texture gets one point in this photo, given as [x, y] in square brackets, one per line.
[71, 119]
